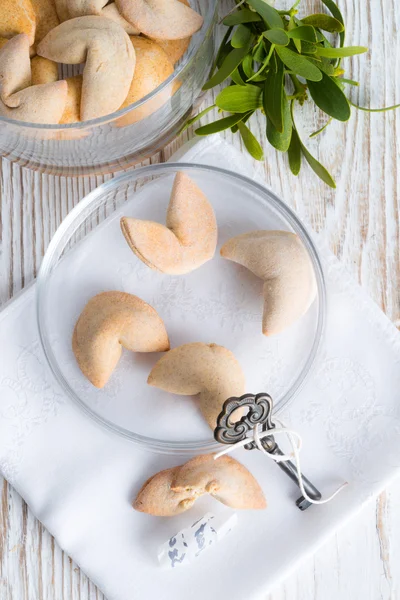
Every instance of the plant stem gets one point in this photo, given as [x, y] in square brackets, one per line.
[238, 4]
[300, 89]
[297, 85]
[373, 110]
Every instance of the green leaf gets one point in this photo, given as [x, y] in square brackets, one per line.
[251, 143]
[241, 37]
[314, 164]
[239, 98]
[307, 48]
[242, 16]
[297, 44]
[291, 26]
[237, 78]
[246, 117]
[321, 129]
[196, 118]
[324, 22]
[247, 66]
[267, 12]
[256, 76]
[277, 36]
[223, 50]
[328, 96]
[281, 141]
[294, 153]
[299, 64]
[220, 125]
[231, 62]
[333, 8]
[259, 52]
[324, 64]
[340, 52]
[272, 97]
[321, 38]
[274, 61]
[318, 168]
[306, 33]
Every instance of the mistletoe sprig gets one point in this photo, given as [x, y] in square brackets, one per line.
[273, 59]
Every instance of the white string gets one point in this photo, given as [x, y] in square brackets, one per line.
[296, 444]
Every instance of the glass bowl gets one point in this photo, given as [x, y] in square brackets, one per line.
[220, 302]
[127, 136]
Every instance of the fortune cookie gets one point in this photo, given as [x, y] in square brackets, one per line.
[46, 18]
[153, 67]
[111, 12]
[175, 49]
[72, 109]
[161, 19]
[43, 70]
[18, 98]
[208, 370]
[186, 242]
[280, 259]
[109, 322]
[175, 490]
[17, 16]
[69, 9]
[109, 57]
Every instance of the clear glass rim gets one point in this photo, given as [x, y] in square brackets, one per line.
[145, 442]
[186, 64]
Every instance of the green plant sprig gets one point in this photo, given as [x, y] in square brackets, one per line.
[273, 59]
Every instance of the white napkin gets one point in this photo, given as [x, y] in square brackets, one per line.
[79, 480]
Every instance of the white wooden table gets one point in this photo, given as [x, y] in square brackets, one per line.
[361, 222]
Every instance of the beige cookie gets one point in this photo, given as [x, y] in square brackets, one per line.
[280, 259]
[19, 99]
[153, 67]
[186, 242]
[207, 370]
[157, 498]
[175, 49]
[3, 42]
[109, 57]
[70, 9]
[175, 490]
[71, 113]
[161, 19]
[109, 322]
[43, 70]
[17, 16]
[111, 12]
[15, 67]
[46, 18]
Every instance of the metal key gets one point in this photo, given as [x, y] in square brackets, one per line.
[259, 413]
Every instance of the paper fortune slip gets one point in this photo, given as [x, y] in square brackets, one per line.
[187, 545]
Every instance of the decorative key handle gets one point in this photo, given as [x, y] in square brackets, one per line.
[259, 417]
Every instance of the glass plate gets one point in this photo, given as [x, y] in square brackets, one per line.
[220, 302]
